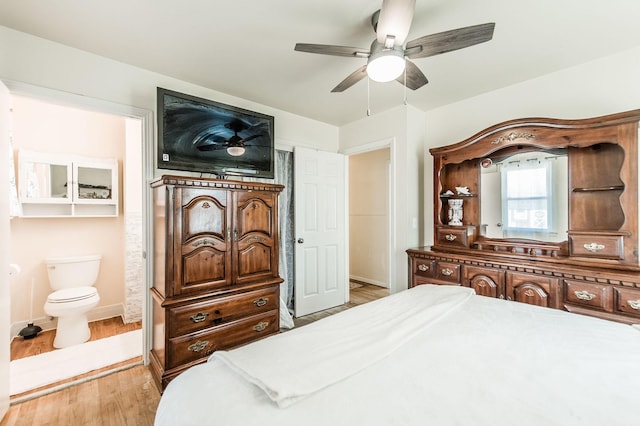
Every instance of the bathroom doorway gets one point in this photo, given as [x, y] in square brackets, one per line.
[122, 238]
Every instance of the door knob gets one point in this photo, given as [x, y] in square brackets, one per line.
[300, 240]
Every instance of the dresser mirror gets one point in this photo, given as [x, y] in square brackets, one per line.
[561, 190]
[525, 196]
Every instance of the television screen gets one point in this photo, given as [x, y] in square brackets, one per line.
[200, 135]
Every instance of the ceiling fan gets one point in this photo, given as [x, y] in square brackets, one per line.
[211, 140]
[388, 57]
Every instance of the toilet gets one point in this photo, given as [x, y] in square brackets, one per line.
[72, 279]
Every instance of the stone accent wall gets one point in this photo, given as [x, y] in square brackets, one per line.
[134, 268]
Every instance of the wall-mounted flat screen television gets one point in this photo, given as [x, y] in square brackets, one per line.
[201, 135]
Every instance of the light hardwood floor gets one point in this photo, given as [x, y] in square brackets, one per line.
[127, 397]
[358, 296]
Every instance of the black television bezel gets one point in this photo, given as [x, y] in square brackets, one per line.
[199, 163]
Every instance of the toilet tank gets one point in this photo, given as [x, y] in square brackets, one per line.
[67, 272]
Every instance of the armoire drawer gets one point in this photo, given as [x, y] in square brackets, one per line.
[186, 349]
[588, 294]
[221, 310]
[627, 301]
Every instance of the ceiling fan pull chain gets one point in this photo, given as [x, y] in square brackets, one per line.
[405, 85]
[368, 98]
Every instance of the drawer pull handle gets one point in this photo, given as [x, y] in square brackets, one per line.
[635, 304]
[447, 272]
[198, 346]
[450, 237]
[261, 302]
[199, 317]
[261, 326]
[423, 267]
[584, 295]
[594, 247]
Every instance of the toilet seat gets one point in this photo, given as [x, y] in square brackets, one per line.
[73, 294]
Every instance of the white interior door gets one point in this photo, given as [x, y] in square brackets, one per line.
[5, 121]
[321, 255]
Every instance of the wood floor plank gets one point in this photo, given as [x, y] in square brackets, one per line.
[128, 397]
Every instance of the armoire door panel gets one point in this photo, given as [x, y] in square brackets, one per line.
[204, 213]
[254, 259]
[255, 252]
[204, 267]
[254, 214]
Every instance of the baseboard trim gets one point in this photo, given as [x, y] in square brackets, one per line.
[49, 323]
[367, 281]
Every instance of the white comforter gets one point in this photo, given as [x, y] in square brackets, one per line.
[473, 361]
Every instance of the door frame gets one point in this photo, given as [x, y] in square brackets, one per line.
[389, 143]
[147, 123]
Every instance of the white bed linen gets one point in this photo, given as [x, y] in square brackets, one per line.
[289, 367]
[491, 362]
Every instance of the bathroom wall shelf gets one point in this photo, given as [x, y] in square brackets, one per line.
[59, 185]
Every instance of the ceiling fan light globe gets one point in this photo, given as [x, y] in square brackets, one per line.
[385, 68]
[235, 151]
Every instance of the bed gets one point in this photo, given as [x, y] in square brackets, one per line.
[431, 355]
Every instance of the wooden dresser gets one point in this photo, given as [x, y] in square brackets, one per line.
[590, 266]
[216, 282]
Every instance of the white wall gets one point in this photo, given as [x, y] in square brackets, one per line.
[600, 87]
[40, 62]
[403, 125]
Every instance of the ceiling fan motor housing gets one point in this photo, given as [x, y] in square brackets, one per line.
[385, 64]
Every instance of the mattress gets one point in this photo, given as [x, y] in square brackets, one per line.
[475, 361]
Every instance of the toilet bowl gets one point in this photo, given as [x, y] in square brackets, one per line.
[72, 278]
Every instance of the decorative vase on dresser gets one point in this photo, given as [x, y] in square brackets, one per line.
[551, 215]
[216, 282]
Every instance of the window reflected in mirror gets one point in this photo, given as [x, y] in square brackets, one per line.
[525, 196]
[45, 180]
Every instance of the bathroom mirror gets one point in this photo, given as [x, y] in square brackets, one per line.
[525, 196]
[44, 180]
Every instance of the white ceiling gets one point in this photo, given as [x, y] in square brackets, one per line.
[245, 47]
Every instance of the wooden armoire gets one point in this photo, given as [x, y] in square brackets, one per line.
[216, 282]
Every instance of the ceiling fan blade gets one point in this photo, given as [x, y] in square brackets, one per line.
[247, 139]
[415, 78]
[211, 147]
[395, 20]
[448, 41]
[327, 49]
[352, 79]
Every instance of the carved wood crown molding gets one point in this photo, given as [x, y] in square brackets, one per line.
[216, 183]
[512, 136]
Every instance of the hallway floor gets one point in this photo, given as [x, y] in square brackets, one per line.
[359, 294]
